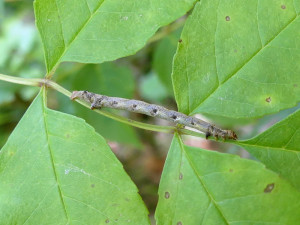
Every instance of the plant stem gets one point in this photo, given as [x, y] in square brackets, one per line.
[163, 32]
[38, 82]
[25, 81]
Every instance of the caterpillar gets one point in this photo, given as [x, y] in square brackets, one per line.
[98, 101]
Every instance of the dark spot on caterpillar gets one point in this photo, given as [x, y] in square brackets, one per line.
[269, 188]
[92, 185]
[227, 18]
[192, 122]
[115, 103]
[167, 195]
[180, 40]
[107, 221]
[268, 99]
[174, 117]
[283, 6]
[134, 105]
[154, 111]
[179, 223]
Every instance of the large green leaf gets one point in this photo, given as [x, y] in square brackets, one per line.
[93, 31]
[55, 168]
[206, 187]
[279, 148]
[239, 58]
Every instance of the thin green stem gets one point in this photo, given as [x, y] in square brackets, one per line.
[25, 81]
[167, 30]
[48, 83]
[39, 82]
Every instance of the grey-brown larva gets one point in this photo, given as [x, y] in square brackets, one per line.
[98, 101]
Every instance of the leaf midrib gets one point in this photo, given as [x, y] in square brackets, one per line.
[66, 47]
[51, 157]
[248, 61]
[201, 181]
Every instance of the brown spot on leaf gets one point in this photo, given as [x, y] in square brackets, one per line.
[227, 18]
[167, 195]
[179, 223]
[295, 85]
[180, 176]
[180, 40]
[231, 170]
[269, 188]
[68, 135]
[268, 100]
[283, 6]
[92, 185]
[107, 221]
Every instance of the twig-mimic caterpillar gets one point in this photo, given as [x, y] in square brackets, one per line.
[99, 101]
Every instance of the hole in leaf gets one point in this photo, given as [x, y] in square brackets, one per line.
[180, 176]
[268, 99]
[167, 195]
[227, 18]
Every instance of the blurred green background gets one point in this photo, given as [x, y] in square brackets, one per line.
[145, 76]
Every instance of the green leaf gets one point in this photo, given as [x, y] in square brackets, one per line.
[56, 168]
[279, 148]
[239, 59]
[1, 11]
[94, 31]
[152, 82]
[206, 187]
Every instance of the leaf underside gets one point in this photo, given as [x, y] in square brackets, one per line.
[206, 187]
[239, 58]
[56, 168]
[93, 31]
